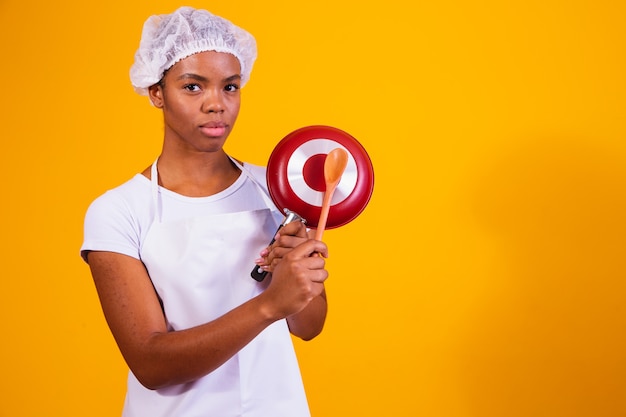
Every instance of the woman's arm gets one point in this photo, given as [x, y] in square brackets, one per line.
[159, 358]
[309, 322]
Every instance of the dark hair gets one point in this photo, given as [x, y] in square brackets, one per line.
[161, 82]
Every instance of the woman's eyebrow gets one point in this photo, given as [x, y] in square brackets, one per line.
[192, 76]
[234, 77]
[197, 77]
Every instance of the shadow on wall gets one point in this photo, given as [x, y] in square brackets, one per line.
[548, 335]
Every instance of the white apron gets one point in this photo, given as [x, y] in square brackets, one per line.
[200, 268]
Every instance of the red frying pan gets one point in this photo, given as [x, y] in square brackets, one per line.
[295, 175]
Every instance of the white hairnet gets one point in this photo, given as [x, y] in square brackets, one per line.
[168, 38]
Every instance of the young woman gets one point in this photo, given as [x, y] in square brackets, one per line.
[170, 250]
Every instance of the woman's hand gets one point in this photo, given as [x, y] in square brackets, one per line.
[287, 238]
[297, 263]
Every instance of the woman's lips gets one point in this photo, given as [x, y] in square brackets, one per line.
[213, 129]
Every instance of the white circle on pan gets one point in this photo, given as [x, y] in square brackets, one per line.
[295, 175]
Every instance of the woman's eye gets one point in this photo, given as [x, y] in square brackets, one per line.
[192, 87]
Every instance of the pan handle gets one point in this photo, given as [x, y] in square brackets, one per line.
[258, 273]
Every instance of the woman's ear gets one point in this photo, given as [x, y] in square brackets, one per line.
[155, 94]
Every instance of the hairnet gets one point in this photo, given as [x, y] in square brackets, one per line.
[168, 38]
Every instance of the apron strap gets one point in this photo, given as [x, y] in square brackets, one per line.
[258, 181]
[154, 180]
[154, 184]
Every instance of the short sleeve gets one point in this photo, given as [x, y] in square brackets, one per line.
[110, 225]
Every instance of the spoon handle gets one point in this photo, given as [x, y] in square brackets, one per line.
[321, 224]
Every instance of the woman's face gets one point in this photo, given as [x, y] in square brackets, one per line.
[200, 99]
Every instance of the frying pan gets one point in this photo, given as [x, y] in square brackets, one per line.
[295, 175]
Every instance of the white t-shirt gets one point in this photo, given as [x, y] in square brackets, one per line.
[118, 220]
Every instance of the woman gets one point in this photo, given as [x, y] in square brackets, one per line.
[170, 250]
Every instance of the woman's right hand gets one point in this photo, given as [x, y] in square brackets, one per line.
[297, 275]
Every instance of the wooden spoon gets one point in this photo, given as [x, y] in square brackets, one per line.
[334, 165]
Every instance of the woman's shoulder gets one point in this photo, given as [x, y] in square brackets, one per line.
[117, 218]
[131, 193]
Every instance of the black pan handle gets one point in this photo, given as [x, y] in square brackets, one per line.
[258, 273]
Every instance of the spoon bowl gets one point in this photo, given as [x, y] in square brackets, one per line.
[334, 166]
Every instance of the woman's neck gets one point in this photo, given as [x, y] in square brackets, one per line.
[198, 175]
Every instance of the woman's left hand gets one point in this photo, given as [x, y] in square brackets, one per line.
[287, 238]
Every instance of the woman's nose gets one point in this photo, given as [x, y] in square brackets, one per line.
[212, 103]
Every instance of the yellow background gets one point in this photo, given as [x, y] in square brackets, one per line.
[485, 278]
